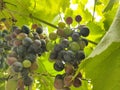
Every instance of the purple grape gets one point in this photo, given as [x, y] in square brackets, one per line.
[84, 31]
[27, 41]
[39, 30]
[75, 36]
[68, 56]
[78, 18]
[17, 66]
[58, 66]
[25, 29]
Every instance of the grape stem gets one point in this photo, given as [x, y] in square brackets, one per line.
[45, 22]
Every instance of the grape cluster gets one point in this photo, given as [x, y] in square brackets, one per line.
[26, 45]
[68, 52]
[4, 48]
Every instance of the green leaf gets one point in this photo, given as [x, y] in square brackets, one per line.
[110, 5]
[104, 69]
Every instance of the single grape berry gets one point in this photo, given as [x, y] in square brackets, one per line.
[11, 60]
[69, 69]
[80, 55]
[52, 36]
[58, 66]
[58, 47]
[49, 45]
[27, 41]
[74, 46]
[58, 82]
[78, 18]
[68, 31]
[17, 66]
[60, 32]
[21, 36]
[61, 25]
[34, 26]
[65, 43]
[53, 55]
[61, 55]
[84, 31]
[77, 82]
[28, 80]
[75, 36]
[25, 29]
[68, 80]
[26, 63]
[68, 56]
[39, 30]
[69, 20]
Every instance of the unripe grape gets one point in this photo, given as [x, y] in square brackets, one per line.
[68, 31]
[53, 36]
[74, 46]
[61, 25]
[26, 63]
[49, 46]
[21, 36]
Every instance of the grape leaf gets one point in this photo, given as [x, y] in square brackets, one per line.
[104, 69]
[110, 5]
[103, 64]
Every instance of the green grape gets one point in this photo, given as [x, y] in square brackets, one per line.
[49, 46]
[52, 36]
[74, 46]
[68, 31]
[26, 63]
[61, 25]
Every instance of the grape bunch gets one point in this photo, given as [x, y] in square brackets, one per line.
[4, 48]
[67, 52]
[26, 45]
